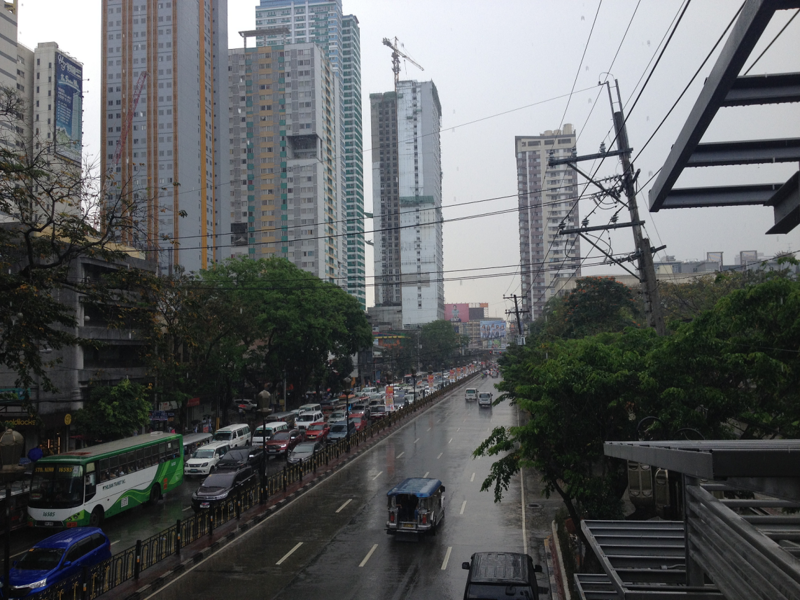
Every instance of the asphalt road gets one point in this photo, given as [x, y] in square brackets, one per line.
[330, 542]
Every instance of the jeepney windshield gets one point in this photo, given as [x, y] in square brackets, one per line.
[56, 486]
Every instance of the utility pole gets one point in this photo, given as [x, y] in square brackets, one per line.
[647, 272]
[517, 312]
[644, 253]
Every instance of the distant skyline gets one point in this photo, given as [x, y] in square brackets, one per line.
[506, 70]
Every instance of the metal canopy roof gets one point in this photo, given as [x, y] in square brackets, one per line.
[745, 547]
[724, 88]
[715, 459]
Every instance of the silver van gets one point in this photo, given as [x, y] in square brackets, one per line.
[236, 436]
[271, 429]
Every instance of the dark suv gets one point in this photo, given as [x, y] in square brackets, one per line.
[502, 576]
[221, 487]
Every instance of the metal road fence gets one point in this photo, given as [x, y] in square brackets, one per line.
[130, 563]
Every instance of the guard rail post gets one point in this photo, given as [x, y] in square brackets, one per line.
[138, 560]
[84, 580]
[178, 538]
[210, 523]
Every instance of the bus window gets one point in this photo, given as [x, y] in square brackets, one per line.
[91, 485]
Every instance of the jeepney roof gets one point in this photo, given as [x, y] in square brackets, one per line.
[416, 486]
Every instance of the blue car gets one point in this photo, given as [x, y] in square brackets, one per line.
[55, 559]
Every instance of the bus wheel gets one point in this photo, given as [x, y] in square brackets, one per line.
[155, 494]
[97, 517]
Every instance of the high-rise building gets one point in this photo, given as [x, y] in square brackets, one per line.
[164, 134]
[547, 200]
[283, 162]
[322, 22]
[407, 200]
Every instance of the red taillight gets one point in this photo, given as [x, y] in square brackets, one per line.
[391, 517]
[425, 519]
[72, 524]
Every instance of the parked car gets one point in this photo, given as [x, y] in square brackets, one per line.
[359, 421]
[303, 452]
[271, 429]
[204, 458]
[283, 441]
[485, 399]
[379, 412]
[341, 430]
[304, 419]
[56, 558]
[318, 431]
[236, 459]
[219, 487]
[337, 415]
[501, 575]
[246, 404]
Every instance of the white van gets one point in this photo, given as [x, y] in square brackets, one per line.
[204, 459]
[235, 436]
[309, 408]
[471, 394]
[304, 419]
[272, 428]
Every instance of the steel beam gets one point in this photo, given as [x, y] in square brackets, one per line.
[733, 195]
[749, 152]
[786, 205]
[754, 18]
[764, 89]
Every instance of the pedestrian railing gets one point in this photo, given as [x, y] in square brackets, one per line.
[131, 562]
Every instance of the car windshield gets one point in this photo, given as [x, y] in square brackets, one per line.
[379, 409]
[40, 559]
[282, 435]
[316, 427]
[202, 453]
[218, 480]
[305, 418]
[338, 428]
[235, 457]
[304, 448]
[223, 436]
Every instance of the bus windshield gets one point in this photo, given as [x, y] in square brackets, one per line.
[56, 486]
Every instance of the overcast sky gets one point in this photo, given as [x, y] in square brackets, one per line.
[507, 68]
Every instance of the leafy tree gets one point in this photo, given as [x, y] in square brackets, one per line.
[734, 371]
[596, 305]
[49, 209]
[114, 412]
[580, 396]
[439, 341]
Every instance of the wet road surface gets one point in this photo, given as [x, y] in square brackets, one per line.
[330, 542]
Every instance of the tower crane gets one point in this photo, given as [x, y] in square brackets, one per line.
[396, 54]
[137, 92]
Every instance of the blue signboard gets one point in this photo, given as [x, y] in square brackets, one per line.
[68, 108]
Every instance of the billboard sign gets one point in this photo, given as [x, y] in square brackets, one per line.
[68, 108]
[493, 330]
[456, 313]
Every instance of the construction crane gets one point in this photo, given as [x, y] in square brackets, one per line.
[137, 92]
[396, 54]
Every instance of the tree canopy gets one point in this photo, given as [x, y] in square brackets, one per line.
[113, 412]
[733, 371]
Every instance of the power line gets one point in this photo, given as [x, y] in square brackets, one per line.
[772, 42]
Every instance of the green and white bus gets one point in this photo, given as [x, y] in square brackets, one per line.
[83, 487]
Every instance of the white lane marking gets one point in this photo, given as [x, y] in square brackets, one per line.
[459, 429]
[366, 558]
[338, 510]
[447, 557]
[187, 508]
[463, 506]
[450, 440]
[426, 474]
[399, 455]
[289, 553]
[115, 542]
[416, 440]
[472, 478]
[429, 428]
[378, 475]
[440, 455]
